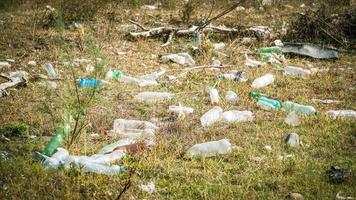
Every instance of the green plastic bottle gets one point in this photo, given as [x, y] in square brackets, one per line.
[264, 102]
[266, 52]
[116, 74]
[56, 140]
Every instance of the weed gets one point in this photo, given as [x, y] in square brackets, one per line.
[15, 130]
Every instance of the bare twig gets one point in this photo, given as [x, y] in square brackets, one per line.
[169, 40]
[138, 24]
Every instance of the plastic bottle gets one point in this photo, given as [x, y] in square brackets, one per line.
[210, 149]
[231, 96]
[133, 124]
[112, 146]
[181, 110]
[263, 81]
[214, 95]
[84, 82]
[153, 96]
[237, 116]
[116, 74]
[97, 158]
[264, 102]
[350, 114]
[296, 72]
[57, 160]
[154, 75]
[289, 106]
[50, 70]
[275, 49]
[212, 116]
[56, 140]
[102, 169]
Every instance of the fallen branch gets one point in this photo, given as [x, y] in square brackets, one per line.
[14, 80]
[139, 25]
[169, 40]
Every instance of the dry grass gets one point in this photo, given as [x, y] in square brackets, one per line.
[232, 176]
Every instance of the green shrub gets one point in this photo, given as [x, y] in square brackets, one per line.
[15, 130]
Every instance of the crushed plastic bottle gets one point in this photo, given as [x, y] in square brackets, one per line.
[113, 74]
[348, 114]
[109, 148]
[292, 119]
[153, 96]
[214, 95]
[50, 70]
[252, 63]
[289, 106]
[86, 82]
[210, 149]
[181, 110]
[237, 116]
[234, 75]
[212, 116]
[57, 159]
[267, 52]
[180, 58]
[296, 72]
[154, 75]
[102, 169]
[231, 96]
[57, 140]
[97, 158]
[264, 102]
[263, 81]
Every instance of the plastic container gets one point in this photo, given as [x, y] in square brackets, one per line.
[113, 74]
[57, 160]
[349, 114]
[212, 116]
[214, 95]
[231, 96]
[109, 148]
[268, 104]
[97, 158]
[102, 169]
[50, 70]
[237, 116]
[289, 106]
[297, 72]
[56, 140]
[210, 149]
[263, 81]
[153, 96]
[154, 75]
[84, 82]
[181, 110]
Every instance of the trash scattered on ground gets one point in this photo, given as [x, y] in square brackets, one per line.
[134, 129]
[181, 110]
[296, 72]
[246, 40]
[240, 8]
[149, 187]
[278, 43]
[266, 52]
[232, 97]
[210, 149]
[292, 140]
[348, 114]
[285, 156]
[214, 95]
[264, 102]
[50, 70]
[109, 148]
[32, 63]
[216, 63]
[252, 63]
[14, 79]
[171, 77]
[87, 82]
[234, 75]
[57, 140]
[339, 197]
[261, 31]
[180, 58]
[310, 50]
[153, 96]
[4, 64]
[151, 7]
[210, 117]
[326, 101]
[289, 106]
[268, 148]
[33, 137]
[338, 175]
[292, 119]
[294, 196]
[4, 155]
[10, 60]
[237, 116]
[218, 46]
[75, 25]
[263, 81]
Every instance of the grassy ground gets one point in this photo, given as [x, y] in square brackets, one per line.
[232, 176]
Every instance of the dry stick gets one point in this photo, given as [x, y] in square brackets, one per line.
[169, 40]
[138, 24]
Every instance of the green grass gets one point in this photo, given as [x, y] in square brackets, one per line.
[235, 175]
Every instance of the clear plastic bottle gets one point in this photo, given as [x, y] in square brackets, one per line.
[212, 116]
[296, 72]
[56, 140]
[264, 102]
[181, 110]
[237, 116]
[113, 74]
[210, 149]
[153, 96]
[214, 95]
[50, 70]
[289, 106]
[263, 81]
[102, 169]
[109, 148]
[231, 96]
[350, 114]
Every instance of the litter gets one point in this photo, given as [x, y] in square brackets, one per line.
[212, 116]
[134, 129]
[310, 50]
[116, 74]
[17, 78]
[267, 52]
[338, 175]
[214, 95]
[210, 149]
[4, 155]
[348, 114]
[240, 8]
[246, 40]
[263, 81]
[4, 64]
[326, 101]
[75, 25]
[237, 116]
[109, 148]
[268, 148]
[292, 140]
[218, 46]
[153, 96]
[150, 7]
[57, 140]
[180, 58]
[252, 63]
[86, 82]
[234, 75]
[149, 187]
[339, 197]
[32, 63]
[264, 102]
[296, 72]
[181, 110]
[292, 119]
[278, 43]
[231, 96]
[261, 31]
[289, 106]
